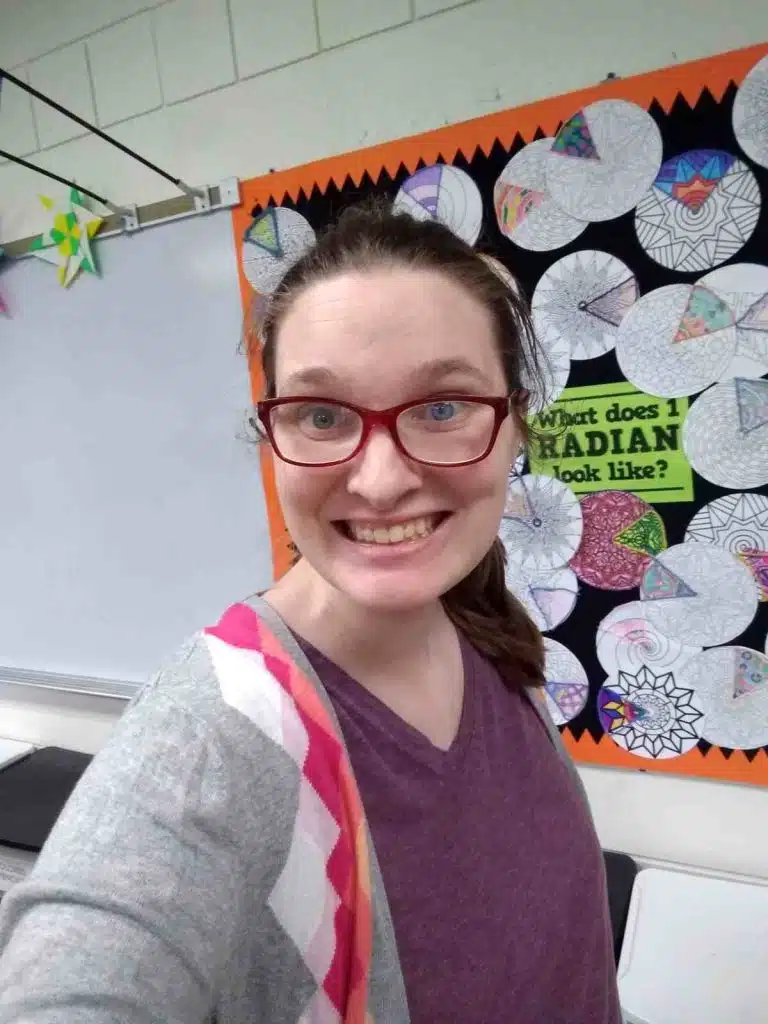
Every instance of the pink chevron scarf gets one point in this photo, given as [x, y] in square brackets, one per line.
[277, 696]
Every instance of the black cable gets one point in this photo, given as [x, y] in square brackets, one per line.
[56, 177]
[96, 131]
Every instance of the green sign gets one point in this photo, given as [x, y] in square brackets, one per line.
[614, 437]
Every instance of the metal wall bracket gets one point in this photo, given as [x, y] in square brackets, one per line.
[203, 199]
[130, 218]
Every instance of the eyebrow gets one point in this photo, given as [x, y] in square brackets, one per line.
[428, 374]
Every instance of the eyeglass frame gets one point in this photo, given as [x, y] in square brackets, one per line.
[387, 419]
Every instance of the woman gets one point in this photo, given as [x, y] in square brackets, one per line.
[345, 802]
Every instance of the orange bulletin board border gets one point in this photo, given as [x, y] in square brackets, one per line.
[663, 87]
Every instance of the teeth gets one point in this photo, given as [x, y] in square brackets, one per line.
[392, 534]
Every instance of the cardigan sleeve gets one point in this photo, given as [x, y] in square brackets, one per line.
[134, 907]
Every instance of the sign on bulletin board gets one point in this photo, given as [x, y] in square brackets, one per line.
[614, 437]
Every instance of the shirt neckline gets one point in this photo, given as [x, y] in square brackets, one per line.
[406, 735]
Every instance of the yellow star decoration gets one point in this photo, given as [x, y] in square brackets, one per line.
[67, 243]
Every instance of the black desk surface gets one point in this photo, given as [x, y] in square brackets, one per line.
[33, 792]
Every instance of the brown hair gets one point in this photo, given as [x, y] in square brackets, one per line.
[370, 237]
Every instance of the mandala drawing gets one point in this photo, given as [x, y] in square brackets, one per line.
[274, 241]
[525, 211]
[702, 208]
[567, 687]
[676, 341]
[698, 594]
[621, 535]
[750, 114]
[580, 302]
[650, 713]
[549, 596]
[731, 686]
[603, 160]
[445, 193]
[739, 524]
[626, 641]
[743, 287]
[725, 434]
[541, 526]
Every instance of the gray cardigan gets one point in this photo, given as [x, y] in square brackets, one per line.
[148, 903]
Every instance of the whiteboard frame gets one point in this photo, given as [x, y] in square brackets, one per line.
[91, 686]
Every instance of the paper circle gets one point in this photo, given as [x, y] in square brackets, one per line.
[676, 340]
[272, 243]
[650, 713]
[744, 289]
[725, 434]
[739, 524]
[525, 211]
[603, 160]
[621, 534]
[750, 113]
[541, 525]
[702, 208]
[444, 193]
[580, 301]
[731, 685]
[626, 641]
[549, 597]
[566, 687]
[699, 594]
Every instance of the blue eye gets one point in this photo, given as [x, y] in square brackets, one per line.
[322, 417]
[441, 411]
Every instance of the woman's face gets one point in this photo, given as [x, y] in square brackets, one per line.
[378, 339]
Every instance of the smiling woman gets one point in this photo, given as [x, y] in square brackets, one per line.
[347, 800]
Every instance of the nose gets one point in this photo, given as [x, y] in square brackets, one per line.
[380, 474]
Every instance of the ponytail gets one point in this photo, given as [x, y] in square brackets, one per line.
[496, 623]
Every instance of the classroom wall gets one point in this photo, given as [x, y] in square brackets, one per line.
[210, 89]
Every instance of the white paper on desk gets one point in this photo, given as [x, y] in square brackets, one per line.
[694, 950]
[15, 865]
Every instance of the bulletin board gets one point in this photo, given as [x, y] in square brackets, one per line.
[634, 215]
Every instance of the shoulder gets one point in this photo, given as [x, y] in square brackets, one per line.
[226, 676]
[213, 719]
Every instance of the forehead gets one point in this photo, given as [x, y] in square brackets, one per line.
[380, 330]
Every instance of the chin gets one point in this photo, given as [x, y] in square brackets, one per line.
[392, 592]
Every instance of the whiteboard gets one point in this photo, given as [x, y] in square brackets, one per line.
[131, 506]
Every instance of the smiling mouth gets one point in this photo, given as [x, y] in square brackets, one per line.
[401, 533]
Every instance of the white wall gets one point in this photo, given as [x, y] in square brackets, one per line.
[209, 88]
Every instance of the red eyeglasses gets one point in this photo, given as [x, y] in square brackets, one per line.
[450, 430]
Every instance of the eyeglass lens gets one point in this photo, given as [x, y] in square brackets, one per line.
[447, 432]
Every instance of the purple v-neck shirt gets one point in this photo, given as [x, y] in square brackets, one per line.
[490, 860]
